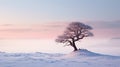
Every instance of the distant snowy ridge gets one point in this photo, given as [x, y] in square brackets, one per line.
[74, 54]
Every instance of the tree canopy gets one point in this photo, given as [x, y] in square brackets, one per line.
[74, 32]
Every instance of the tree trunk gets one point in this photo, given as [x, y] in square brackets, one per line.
[74, 46]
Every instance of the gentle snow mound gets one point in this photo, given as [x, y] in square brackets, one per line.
[85, 53]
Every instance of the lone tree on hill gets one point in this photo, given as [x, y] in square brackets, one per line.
[74, 32]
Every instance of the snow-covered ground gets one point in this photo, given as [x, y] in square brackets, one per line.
[81, 58]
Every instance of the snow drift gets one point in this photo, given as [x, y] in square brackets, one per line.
[80, 58]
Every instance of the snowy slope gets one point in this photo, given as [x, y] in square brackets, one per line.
[81, 58]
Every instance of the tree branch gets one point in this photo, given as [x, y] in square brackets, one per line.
[78, 38]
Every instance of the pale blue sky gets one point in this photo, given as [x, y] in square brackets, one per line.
[38, 11]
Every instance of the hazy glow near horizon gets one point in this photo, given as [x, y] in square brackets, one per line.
[103, 46]
[32, 26]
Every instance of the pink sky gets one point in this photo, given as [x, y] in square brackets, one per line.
[47, 31]
[33, 31]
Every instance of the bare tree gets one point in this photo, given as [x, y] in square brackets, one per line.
[74, 32]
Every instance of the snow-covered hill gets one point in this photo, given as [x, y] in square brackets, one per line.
[80, 58]
[85, 53]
